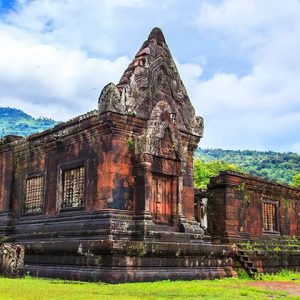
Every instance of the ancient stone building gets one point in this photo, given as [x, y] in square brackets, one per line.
[109, 195]
[261, 217]
[244, 207]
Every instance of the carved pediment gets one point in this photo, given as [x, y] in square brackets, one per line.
[162, 137]
[167, 146]
[151, 77]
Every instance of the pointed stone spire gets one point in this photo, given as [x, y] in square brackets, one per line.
[156, 33]
[152, 77]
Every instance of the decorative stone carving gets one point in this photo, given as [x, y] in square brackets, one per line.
[198, 126]
[12, 260]
[162, 137]
[110, 100]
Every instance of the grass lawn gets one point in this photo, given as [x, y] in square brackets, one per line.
[231, 288]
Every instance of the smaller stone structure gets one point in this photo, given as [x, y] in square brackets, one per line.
[245, 207]
[261, 218]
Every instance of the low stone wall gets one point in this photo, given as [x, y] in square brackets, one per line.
[272, 262]
[271, 255]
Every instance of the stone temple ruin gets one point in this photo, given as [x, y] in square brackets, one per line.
[109, 196]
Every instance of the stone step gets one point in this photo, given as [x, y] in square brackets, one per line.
[244, 258]
[245, 262]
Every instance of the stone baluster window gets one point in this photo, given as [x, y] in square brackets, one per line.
[270, 216]
[34, 189]
[73, 186]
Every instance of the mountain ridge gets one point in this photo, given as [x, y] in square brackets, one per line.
[16, 122]
[271, 165]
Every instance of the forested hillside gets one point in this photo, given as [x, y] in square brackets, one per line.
[15, 121]
[271, 165]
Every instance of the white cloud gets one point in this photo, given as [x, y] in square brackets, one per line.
[248, 18]
[52, 80]
[85, 24]
[56, 56]
[259, 109]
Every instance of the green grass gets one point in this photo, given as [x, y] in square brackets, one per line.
[284, 275]
[231, 288]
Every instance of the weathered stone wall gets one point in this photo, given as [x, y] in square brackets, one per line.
[235, 207]
[86, 141]
[116, 178]
[127, 261]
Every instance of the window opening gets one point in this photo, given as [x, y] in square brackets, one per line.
[269, 216]
[73, 187]
[34, 188]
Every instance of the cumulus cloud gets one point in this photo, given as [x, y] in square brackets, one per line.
[84, 24]
[56, 56]
[44, 75]
[52, 81]
[259, 109]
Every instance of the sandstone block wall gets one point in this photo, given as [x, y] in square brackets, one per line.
[236, 207]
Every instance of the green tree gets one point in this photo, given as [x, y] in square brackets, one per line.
[296, 180]
[203, 171]
[276, 166]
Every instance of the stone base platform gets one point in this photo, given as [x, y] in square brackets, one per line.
[128, 261]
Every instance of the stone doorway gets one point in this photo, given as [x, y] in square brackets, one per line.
[162, 195]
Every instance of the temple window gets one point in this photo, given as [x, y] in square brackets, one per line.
[270, 216]
[73, 187]
[34, 189]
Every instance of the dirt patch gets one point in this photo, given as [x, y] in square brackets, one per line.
[290, 287]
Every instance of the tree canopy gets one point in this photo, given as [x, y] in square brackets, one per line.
[203, 171]
[270, 165]
[296, 180]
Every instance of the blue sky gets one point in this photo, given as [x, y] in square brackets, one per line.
[6, 5]
[239, 60]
